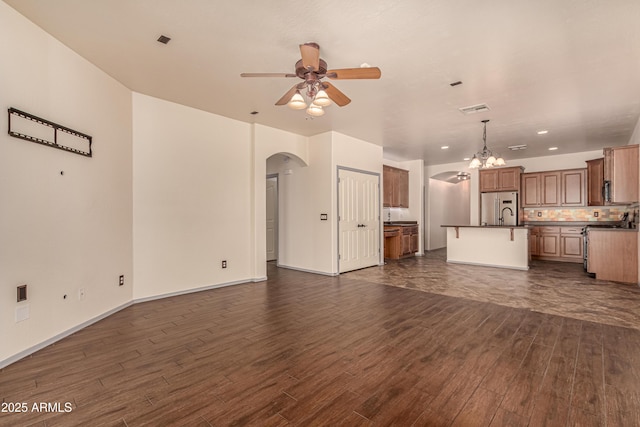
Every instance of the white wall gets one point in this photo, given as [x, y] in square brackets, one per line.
[192, 198]
[266, 142]
[306, 242]
[450, 204]
[557, 162]
[434, 211]
[60, 233]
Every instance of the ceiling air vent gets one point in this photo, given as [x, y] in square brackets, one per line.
[479, 108]
[517, 147]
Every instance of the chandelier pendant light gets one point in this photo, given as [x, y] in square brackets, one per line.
[485, 159]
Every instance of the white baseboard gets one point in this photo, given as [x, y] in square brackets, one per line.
[190, 291]
[304, 270]
[12, 359]
[58, 337]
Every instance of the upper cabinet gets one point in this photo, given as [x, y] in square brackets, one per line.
[396, 187]
[573, 189]
[500, 179]
[554, 188]
[595, 182]
[621, 174]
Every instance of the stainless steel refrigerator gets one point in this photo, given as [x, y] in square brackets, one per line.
[499, 208]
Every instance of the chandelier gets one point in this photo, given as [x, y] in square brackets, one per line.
[485, 158]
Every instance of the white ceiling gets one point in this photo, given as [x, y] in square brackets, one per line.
[571, 67]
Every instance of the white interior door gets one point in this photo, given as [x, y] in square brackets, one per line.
[359, 221]
[272, 218]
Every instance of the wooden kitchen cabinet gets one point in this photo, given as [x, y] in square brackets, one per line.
[595, 182]
[621, 171]
[554, 188]
[500, 179]
[573, 189]
[556, 243]
[409, 240]
[571, 244]
[540, 189]
[534, 238]
[396, 187]
[549, 242]
[400, 241]
[613, 255]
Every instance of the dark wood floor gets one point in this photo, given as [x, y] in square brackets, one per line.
[304, 349]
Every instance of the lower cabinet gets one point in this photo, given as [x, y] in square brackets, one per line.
[402, 243]
[556, 243]
[613, 255]
[571, 243]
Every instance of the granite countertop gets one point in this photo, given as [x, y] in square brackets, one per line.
[486, 226]
[595, 225]
[572, 223]
[616, 229]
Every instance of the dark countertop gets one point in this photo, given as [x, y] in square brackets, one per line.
[616, 229]
[400, 223]
[572, 223]
[486, 226]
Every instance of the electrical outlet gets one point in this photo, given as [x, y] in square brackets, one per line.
[81, 294]
[596, 214]
[539, 214]
[121, 280]
[224, 263]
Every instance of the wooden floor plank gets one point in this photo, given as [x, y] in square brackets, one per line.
[358, 349]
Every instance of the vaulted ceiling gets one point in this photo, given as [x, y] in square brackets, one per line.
[571, 67]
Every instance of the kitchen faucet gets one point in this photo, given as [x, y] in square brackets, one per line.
[501, 219]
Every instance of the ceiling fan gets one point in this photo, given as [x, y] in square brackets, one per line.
[312, 69]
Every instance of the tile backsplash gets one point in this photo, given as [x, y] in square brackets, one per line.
[608, 213]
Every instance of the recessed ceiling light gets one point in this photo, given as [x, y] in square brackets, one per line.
[466, 159]
[543, 132]
[553, 148]
[164, 39]
[444, 147]
[517, 147]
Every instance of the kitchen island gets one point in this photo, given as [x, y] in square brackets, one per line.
[494, 246]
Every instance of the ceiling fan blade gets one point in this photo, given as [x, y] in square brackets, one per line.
[355, 73]
[267, 75]
[287, 96]
[310, 56]
[335, 95]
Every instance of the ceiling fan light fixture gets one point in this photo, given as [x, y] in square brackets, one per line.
[315, 110]
[322, 99]
[297, 102]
